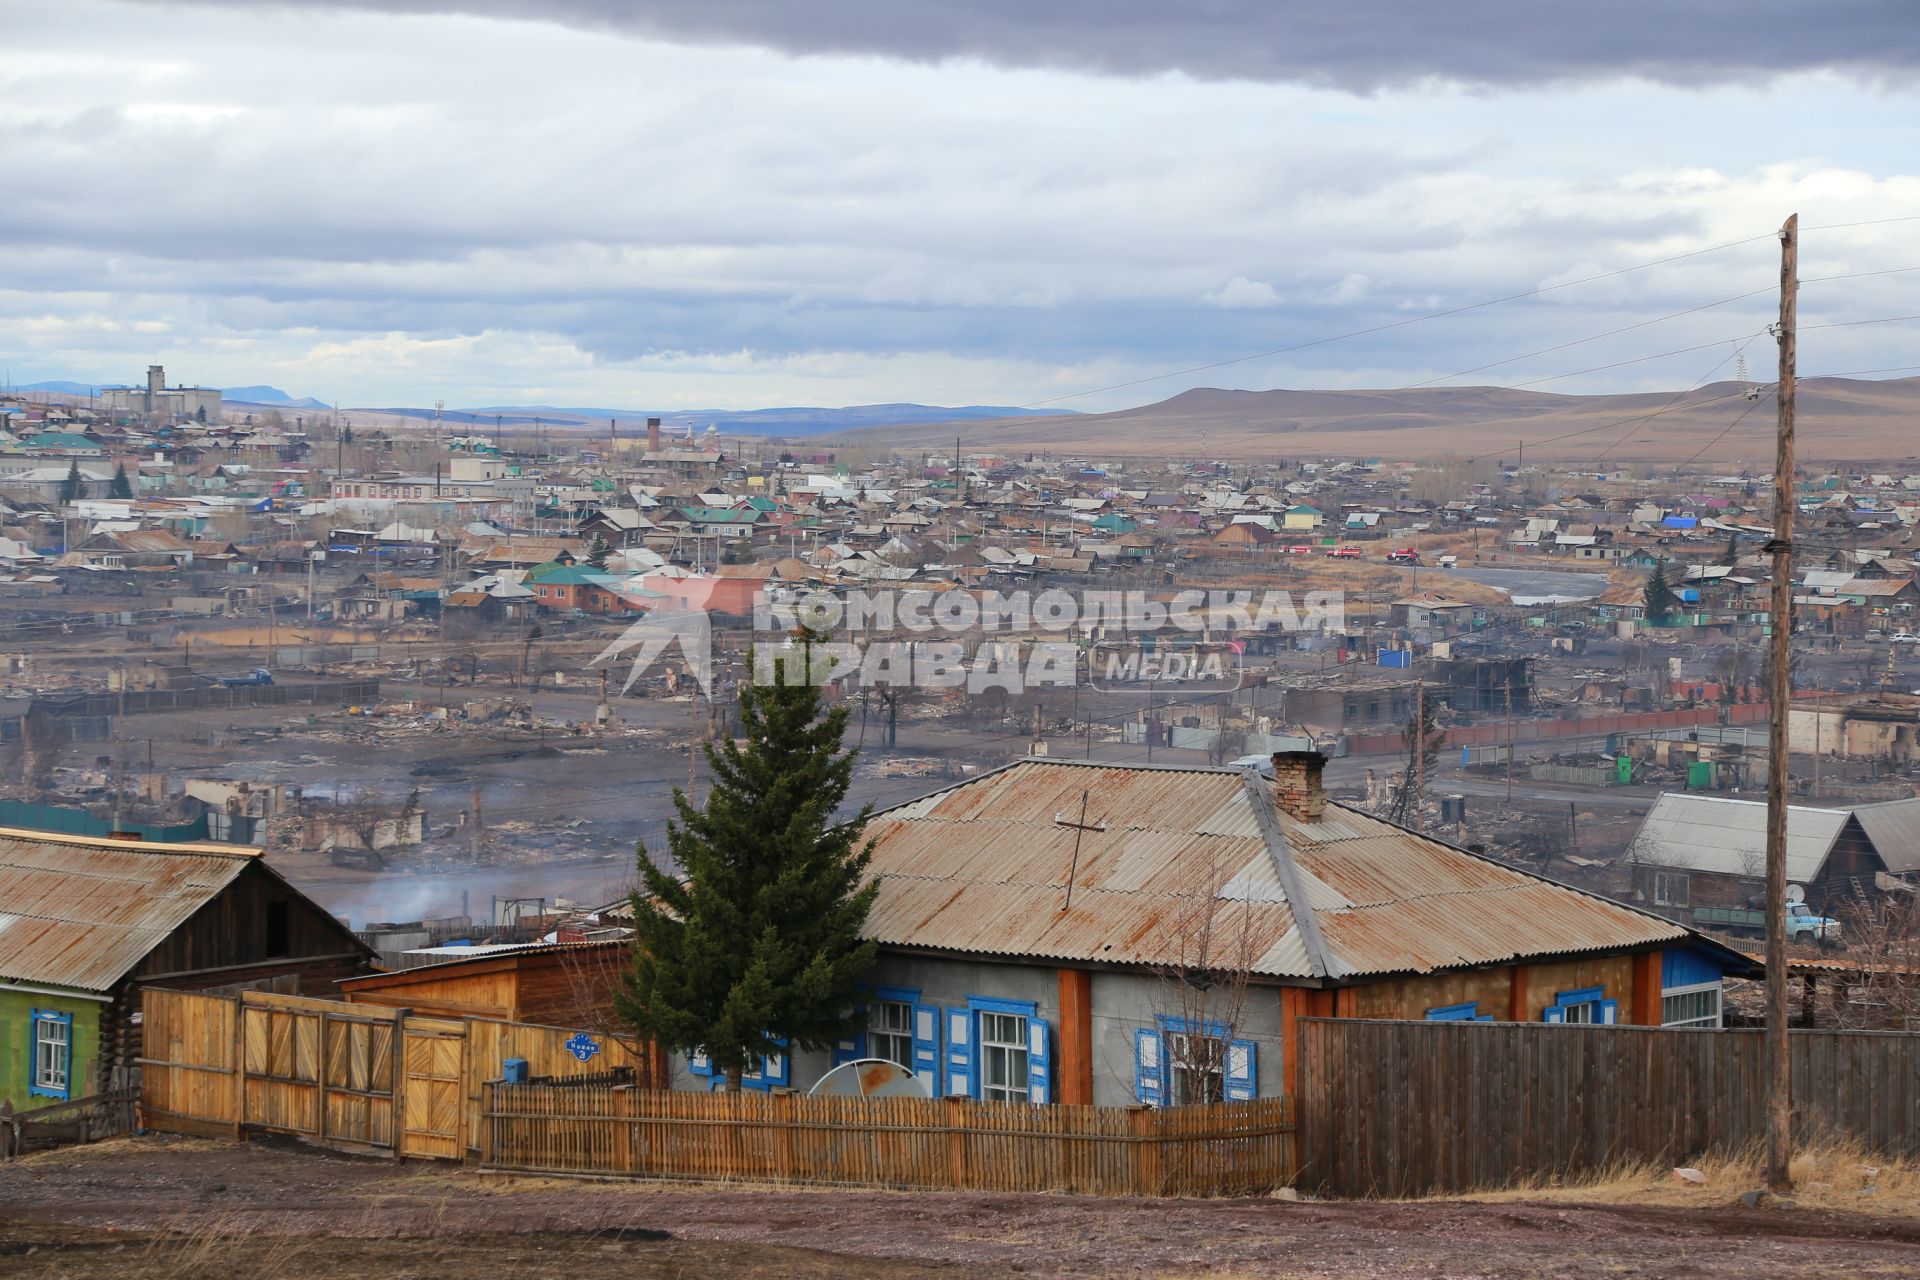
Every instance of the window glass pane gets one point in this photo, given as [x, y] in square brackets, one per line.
[890, 1032]
[1003, 1057]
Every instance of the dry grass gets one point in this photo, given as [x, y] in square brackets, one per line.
[1826, 1175]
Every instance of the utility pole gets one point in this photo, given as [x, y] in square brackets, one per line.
[1509, 737]
[1778, 1057]
[1419, 743]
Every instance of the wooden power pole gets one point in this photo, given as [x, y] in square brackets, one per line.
[1779, 1060]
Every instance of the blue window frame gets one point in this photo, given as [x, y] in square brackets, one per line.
[774, 1071]
[1167, 1070]
[1585, 1005]
[51, 1066]
[1468, 1012]
[999, 1051]
[900, 1027]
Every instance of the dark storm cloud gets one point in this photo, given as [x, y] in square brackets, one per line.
[1358, 46]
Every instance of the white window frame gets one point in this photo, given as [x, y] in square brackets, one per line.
[52, 1055]
[1183, 1071]
[1718, 1019]
[1003, 1056]
[1661, 898]
[890, 1028]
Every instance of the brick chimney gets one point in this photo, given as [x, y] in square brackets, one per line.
[1296, 784]
[653, 435]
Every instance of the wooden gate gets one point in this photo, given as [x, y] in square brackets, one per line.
[355, 1076]
[433, 1101]
[317, 1068]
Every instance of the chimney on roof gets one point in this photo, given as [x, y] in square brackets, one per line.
[653, 435]
[1296, 784]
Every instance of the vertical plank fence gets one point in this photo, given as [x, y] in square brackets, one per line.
[1401, 1109]
[948, 1144]
[352, 1076]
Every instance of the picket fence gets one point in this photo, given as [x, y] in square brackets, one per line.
[950, 1144]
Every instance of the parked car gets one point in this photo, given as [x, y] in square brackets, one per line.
[1905, 637]
[1802, 922]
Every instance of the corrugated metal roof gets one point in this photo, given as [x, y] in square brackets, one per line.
[1894, 828]
[1729, 837]
[983, 867]
[81, 912]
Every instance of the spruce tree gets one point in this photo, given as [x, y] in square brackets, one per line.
[1733, 550]
[1660, 599]
[72, 487]
[758, 940]
[122, 487]
[597, 552]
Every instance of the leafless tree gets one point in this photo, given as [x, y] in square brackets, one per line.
[1882, 989]
[1204, 984]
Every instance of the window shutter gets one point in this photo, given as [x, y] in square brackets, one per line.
[1609, 1012]
[850, 1048]
[959, 1052]
[1148, 1067]
[1553, 1013]
[776, 1068]
[926, 1047]
[1242, 1079]
[1039, 1062]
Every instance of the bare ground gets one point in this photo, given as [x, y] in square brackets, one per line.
[159, 1207]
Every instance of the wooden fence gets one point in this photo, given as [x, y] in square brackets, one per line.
[1423, 1108]
[90, 1119]
[946, 1144]
[358, 1077]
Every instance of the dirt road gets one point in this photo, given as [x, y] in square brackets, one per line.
[175, 1207]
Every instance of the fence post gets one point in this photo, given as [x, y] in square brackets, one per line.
[956, 1120]
[783, 1136]
[485, 1136]
[1143, 1143]
[239, 1065]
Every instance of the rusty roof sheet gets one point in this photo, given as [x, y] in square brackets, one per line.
[81, 912]
[984, 866]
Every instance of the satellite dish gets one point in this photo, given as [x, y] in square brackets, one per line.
[1796, 894]
[870, 1078]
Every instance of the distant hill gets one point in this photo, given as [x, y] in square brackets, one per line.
[1837, 418]
[790, 422]
[245, 395]
[273, 396]
[61, 388]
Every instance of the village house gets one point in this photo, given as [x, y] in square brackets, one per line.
[87, 922]
[1068, 932]
[1694, 853]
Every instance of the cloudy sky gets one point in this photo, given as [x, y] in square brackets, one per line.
[746, 203]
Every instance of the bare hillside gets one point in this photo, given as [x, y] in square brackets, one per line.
[1838, 419]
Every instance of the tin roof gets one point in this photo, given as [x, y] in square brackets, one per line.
[1894, 828]
[1729, 837]
[79, 911]
[1167, 860]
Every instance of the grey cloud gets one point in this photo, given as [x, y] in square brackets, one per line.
[1355, 46]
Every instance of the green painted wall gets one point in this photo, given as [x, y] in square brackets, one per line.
[16, 1045]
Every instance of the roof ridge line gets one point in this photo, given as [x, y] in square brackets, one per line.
[1266, 816]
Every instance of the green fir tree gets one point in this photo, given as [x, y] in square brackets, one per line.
[597, 553]
[122, 487]
[1660, 600]
[73, 486]
[758, 942]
